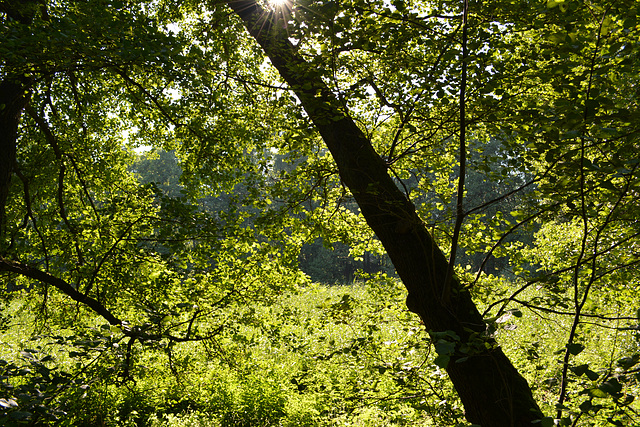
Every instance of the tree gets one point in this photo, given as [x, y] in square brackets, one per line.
[493, 392]
[161, 168]
[14, 96]
[434, 293]
[396, 90]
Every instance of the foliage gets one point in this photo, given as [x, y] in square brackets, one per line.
[313, 357]
[166, 285]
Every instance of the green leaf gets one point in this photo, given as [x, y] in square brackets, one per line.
[628, 362]
[575, 348]
[544, 422]
[612, 386]
[628, 400]
[553, 3]
[580, 370]
[592, 375]
[585, 406]
[442, 360]
[445, 347]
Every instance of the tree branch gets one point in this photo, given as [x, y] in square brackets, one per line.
[63, 286]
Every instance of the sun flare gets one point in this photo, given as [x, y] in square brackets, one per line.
[279, 4]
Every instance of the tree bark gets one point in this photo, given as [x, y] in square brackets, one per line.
[493, 392]
[14, 97]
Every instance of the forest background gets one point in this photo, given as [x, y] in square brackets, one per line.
[237, 213]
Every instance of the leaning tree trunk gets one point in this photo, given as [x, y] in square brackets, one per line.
[494, 394]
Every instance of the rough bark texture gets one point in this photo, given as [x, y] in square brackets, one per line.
[494, 394]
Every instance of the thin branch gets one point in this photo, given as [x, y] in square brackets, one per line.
[53, 141]
[27, 202]
[108, 253]
[572, 313]
[579, 303]
[506, 301]
[462, 156]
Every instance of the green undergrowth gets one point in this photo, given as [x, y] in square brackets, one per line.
[317, 356]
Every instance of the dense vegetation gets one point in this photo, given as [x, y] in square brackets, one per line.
[213, 213]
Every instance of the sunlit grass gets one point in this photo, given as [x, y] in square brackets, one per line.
[318, 356]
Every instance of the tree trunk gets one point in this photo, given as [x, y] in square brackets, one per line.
[494, 394]
[14, 97]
